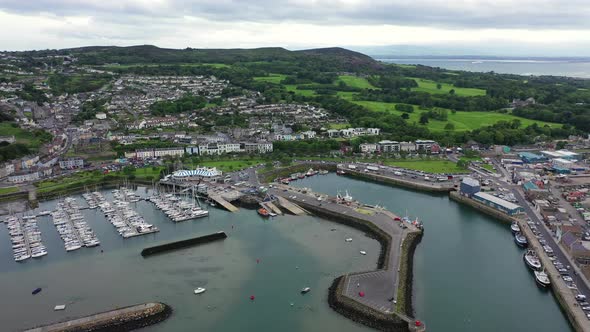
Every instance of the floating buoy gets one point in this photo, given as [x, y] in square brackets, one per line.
[257, 260]
[252, 297]
[418, 323]
[362, 294]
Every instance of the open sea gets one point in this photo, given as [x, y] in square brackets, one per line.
[538, 66]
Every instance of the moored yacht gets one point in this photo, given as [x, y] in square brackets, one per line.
[514, 228]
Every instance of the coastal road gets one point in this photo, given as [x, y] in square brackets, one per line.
[378, 286]
[559, 254]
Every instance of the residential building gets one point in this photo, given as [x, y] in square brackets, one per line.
[71, 163]
[386, 146]
[424, 145]
[173, 152]
[407, 146]
[368, 147]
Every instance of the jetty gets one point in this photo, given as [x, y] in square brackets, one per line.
[183, 244]
[122, 319]
[290, 206]
[269, 206]
[221, 201]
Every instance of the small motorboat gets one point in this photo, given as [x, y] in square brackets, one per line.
[515, 228]
[36, 291]
[348, 239]
[263, 212]
[542, 278]
[59, 307]
[305, 290]
[200, 290]
[363, 252]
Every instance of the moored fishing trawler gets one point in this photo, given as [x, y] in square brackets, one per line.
[531, 260]
[520, 240]
[542, 278]
[514, 227]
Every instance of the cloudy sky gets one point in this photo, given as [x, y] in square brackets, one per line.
[509, 27]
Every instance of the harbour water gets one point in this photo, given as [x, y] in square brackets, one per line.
[555, 67]
[468, 273]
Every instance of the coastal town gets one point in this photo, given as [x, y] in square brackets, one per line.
[192, 145]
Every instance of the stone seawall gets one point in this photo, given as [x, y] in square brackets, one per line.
[406, 273]
[298, 168]
[361, 313]
[398, 182]
[183, 244]
[362, 225]
[118, 320]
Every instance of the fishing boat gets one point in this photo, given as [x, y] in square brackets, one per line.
[263, 212]
[36, 291]
[348, 239]
[285, 181]
[340, 172]
[514, 228]
[520, 240]
[531, 260]
[542, 278]
[323, 172]
[305, 290]
[200, 290]
[301, 176]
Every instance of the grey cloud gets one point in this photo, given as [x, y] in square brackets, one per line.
[556, 14]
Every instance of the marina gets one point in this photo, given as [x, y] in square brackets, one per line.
[176, 208]
[72, 228]
[125, 219]
[25, 238]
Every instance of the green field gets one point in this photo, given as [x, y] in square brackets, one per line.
[429, 166]
[462, 121]
[271, 78]
[133, 65]
[8, 190]
[430, 87]
[355, 82]
[21, 135]
[338, 126]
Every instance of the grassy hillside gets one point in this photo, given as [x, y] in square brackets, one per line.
[431, 87]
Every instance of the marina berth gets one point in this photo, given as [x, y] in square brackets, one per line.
[125, 219]
[71, 226]
[25, 238]
[178, 209]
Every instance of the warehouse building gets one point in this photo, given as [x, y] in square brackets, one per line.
[498, 203]
[532, 158]
[469, 186]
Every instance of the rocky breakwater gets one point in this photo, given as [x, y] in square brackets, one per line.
[118, 320]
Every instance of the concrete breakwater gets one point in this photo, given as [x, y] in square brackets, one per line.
[421, 186]
[298, 168]
[360, 313]
[406, 272]
[118, 320]
[183, 244]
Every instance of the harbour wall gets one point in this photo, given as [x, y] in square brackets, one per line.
[357, 311]
[397, 181]
[297, 168]
[363, 225]
[183, 244]
[118, 320]
[360, 313]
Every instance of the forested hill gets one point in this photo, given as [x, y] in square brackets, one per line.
[332, 58]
